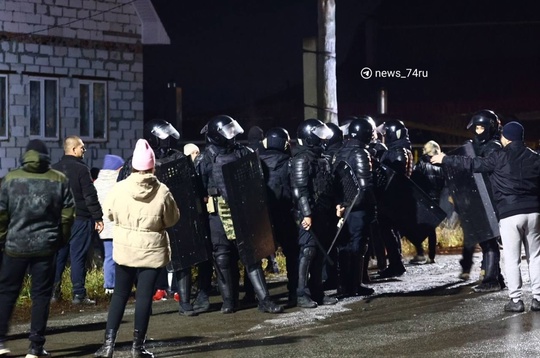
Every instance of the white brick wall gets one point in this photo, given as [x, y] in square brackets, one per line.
[121, 66]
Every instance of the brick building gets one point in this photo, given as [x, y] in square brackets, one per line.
[73, 67]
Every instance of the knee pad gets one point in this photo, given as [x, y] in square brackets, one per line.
[309, 252]
[222, 261]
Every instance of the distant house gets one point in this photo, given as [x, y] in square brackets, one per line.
[73, 67]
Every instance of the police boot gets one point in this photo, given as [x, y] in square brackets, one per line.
[357, 264]
[377, 244]
[137, 349]
[303, 298]
[107, 349]
[256, 276]
[466, 262]
[249, 293]
[204, 279]
[393, 248]
[225, 284]
[184, 291]
[344, 288]
[490, 283]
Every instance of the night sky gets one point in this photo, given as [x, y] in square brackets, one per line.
[244, 58]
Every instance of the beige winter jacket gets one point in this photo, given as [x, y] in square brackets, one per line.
[141, 208]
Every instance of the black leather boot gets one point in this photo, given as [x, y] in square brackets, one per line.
[303, 297]
[107, 349]
[358, 273]
[138, 350]
[184, 291]
[256, 276]
[490, 283]
[343, 269]
[225, 284]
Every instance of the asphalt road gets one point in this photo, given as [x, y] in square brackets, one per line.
[428, 312]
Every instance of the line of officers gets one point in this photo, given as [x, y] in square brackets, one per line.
[304, 209]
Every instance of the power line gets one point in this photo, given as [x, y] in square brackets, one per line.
[82, 19]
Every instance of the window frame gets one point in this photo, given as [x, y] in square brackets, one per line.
[5, 135]
[91, 121]
[42, 104]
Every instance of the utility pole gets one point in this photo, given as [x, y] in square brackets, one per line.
[326, 64]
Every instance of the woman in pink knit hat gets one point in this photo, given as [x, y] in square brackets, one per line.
[142, 209]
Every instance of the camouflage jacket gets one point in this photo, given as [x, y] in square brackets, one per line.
[36, 208]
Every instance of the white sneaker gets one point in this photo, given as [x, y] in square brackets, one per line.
[4, 350]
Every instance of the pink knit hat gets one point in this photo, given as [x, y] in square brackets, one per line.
[143, 156]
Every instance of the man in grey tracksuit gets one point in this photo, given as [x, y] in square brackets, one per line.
[515, 173]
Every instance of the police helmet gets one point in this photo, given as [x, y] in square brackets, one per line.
[362, 129]
[393, 130]
[277, 138]
[487, 119]
[344, 125]
[158, 132]
[337, 134]
[222, 130]
[312, 132]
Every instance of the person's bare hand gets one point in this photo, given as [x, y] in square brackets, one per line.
[340, 210]
[306, 223]
[99, 226]
[437, 159]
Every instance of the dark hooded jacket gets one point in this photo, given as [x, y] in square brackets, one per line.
[85, 194]
[36, 208]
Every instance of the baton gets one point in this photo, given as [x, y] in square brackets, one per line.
[321, 247]
[341, 222]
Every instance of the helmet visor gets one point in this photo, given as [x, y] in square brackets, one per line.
[345, 128]
[164, 131]
[323, 132]
[231, 130]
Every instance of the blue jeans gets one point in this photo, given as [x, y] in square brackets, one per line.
[108, 264]
[77, 249]
[12, 275]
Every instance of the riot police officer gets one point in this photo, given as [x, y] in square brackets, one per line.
[332, 145]
[486, 126]
[353, 247]
[160, 134]
[311, 182]
[275, 164]
[222, 149]
[399, 158]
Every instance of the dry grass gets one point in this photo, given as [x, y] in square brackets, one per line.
[449, 238]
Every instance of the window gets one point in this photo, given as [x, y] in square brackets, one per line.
[3, 107]
[44, 108]
[93, 110]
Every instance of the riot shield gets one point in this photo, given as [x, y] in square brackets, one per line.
[409, 207]
[189, 238]
[472, 201]
[246, 191]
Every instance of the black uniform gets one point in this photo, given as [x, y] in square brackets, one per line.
[222, 149]
[352, 247]
[275, 164]
[399, 158]
[311, 182]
